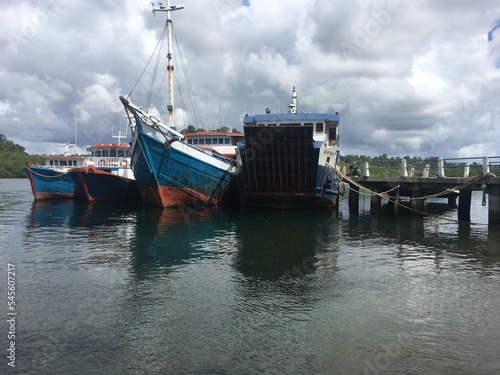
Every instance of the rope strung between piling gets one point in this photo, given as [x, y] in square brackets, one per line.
[394, 199]
[384, 195]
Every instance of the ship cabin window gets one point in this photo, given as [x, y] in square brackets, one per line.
[221, 141]
[195, 141]
[112, 153]
[332, 136]
[214, 141]
[63, 163]
[97, 154]
[319, 127]
[226, 141]
[127, 153]
[120, 153]
[105, 153]
[190, 141]
[208, 141]
[201, 141]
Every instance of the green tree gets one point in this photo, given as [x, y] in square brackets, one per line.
[190, 129]
[13, 157]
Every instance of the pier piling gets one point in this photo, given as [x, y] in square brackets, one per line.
[375, 203]
[416, 204]
[494, 207]
[409, 184]
[464, 201]
[353, 197]
[394, 199]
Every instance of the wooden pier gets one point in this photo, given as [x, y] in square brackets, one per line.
[419, 189]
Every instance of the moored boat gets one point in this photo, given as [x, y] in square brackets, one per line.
[106, 174]
[290, 160]
[95, 184]
[169, 171]
[51, 181]
[48, 183]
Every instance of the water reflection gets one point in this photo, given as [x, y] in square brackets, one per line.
[262, 291]
[437, 235]
[74, 213]
[175, 236]
[274, 244]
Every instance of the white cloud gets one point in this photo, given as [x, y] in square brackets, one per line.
[402, 75]
[4, 107]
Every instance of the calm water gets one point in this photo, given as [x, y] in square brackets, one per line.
[108, 289]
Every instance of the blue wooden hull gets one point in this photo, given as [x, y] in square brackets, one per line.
[95, 184]
[171, 174]
[47, 183]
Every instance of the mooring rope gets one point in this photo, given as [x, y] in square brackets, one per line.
[385, 196]
[43, 175]
[395, 199]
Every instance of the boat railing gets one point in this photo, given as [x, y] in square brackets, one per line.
[116, 162]
[438, 167]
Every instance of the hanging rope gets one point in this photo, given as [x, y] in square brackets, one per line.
[193, 102]
[147, 64]
[483, 188]
[43, 175]
[394, 199]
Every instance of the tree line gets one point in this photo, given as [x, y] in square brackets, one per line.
[13, 157]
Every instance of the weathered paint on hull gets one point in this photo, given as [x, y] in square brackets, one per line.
[167, 196]
[171, 177]
[49, 184]
[49, 196]
[95, 185]
[282, 174]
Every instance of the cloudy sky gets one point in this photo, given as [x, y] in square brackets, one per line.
[419, 78]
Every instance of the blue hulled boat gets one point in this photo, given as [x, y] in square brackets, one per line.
[102, 184]
[49, 183]
[290, 160]
[105, 174]
[169, 171]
